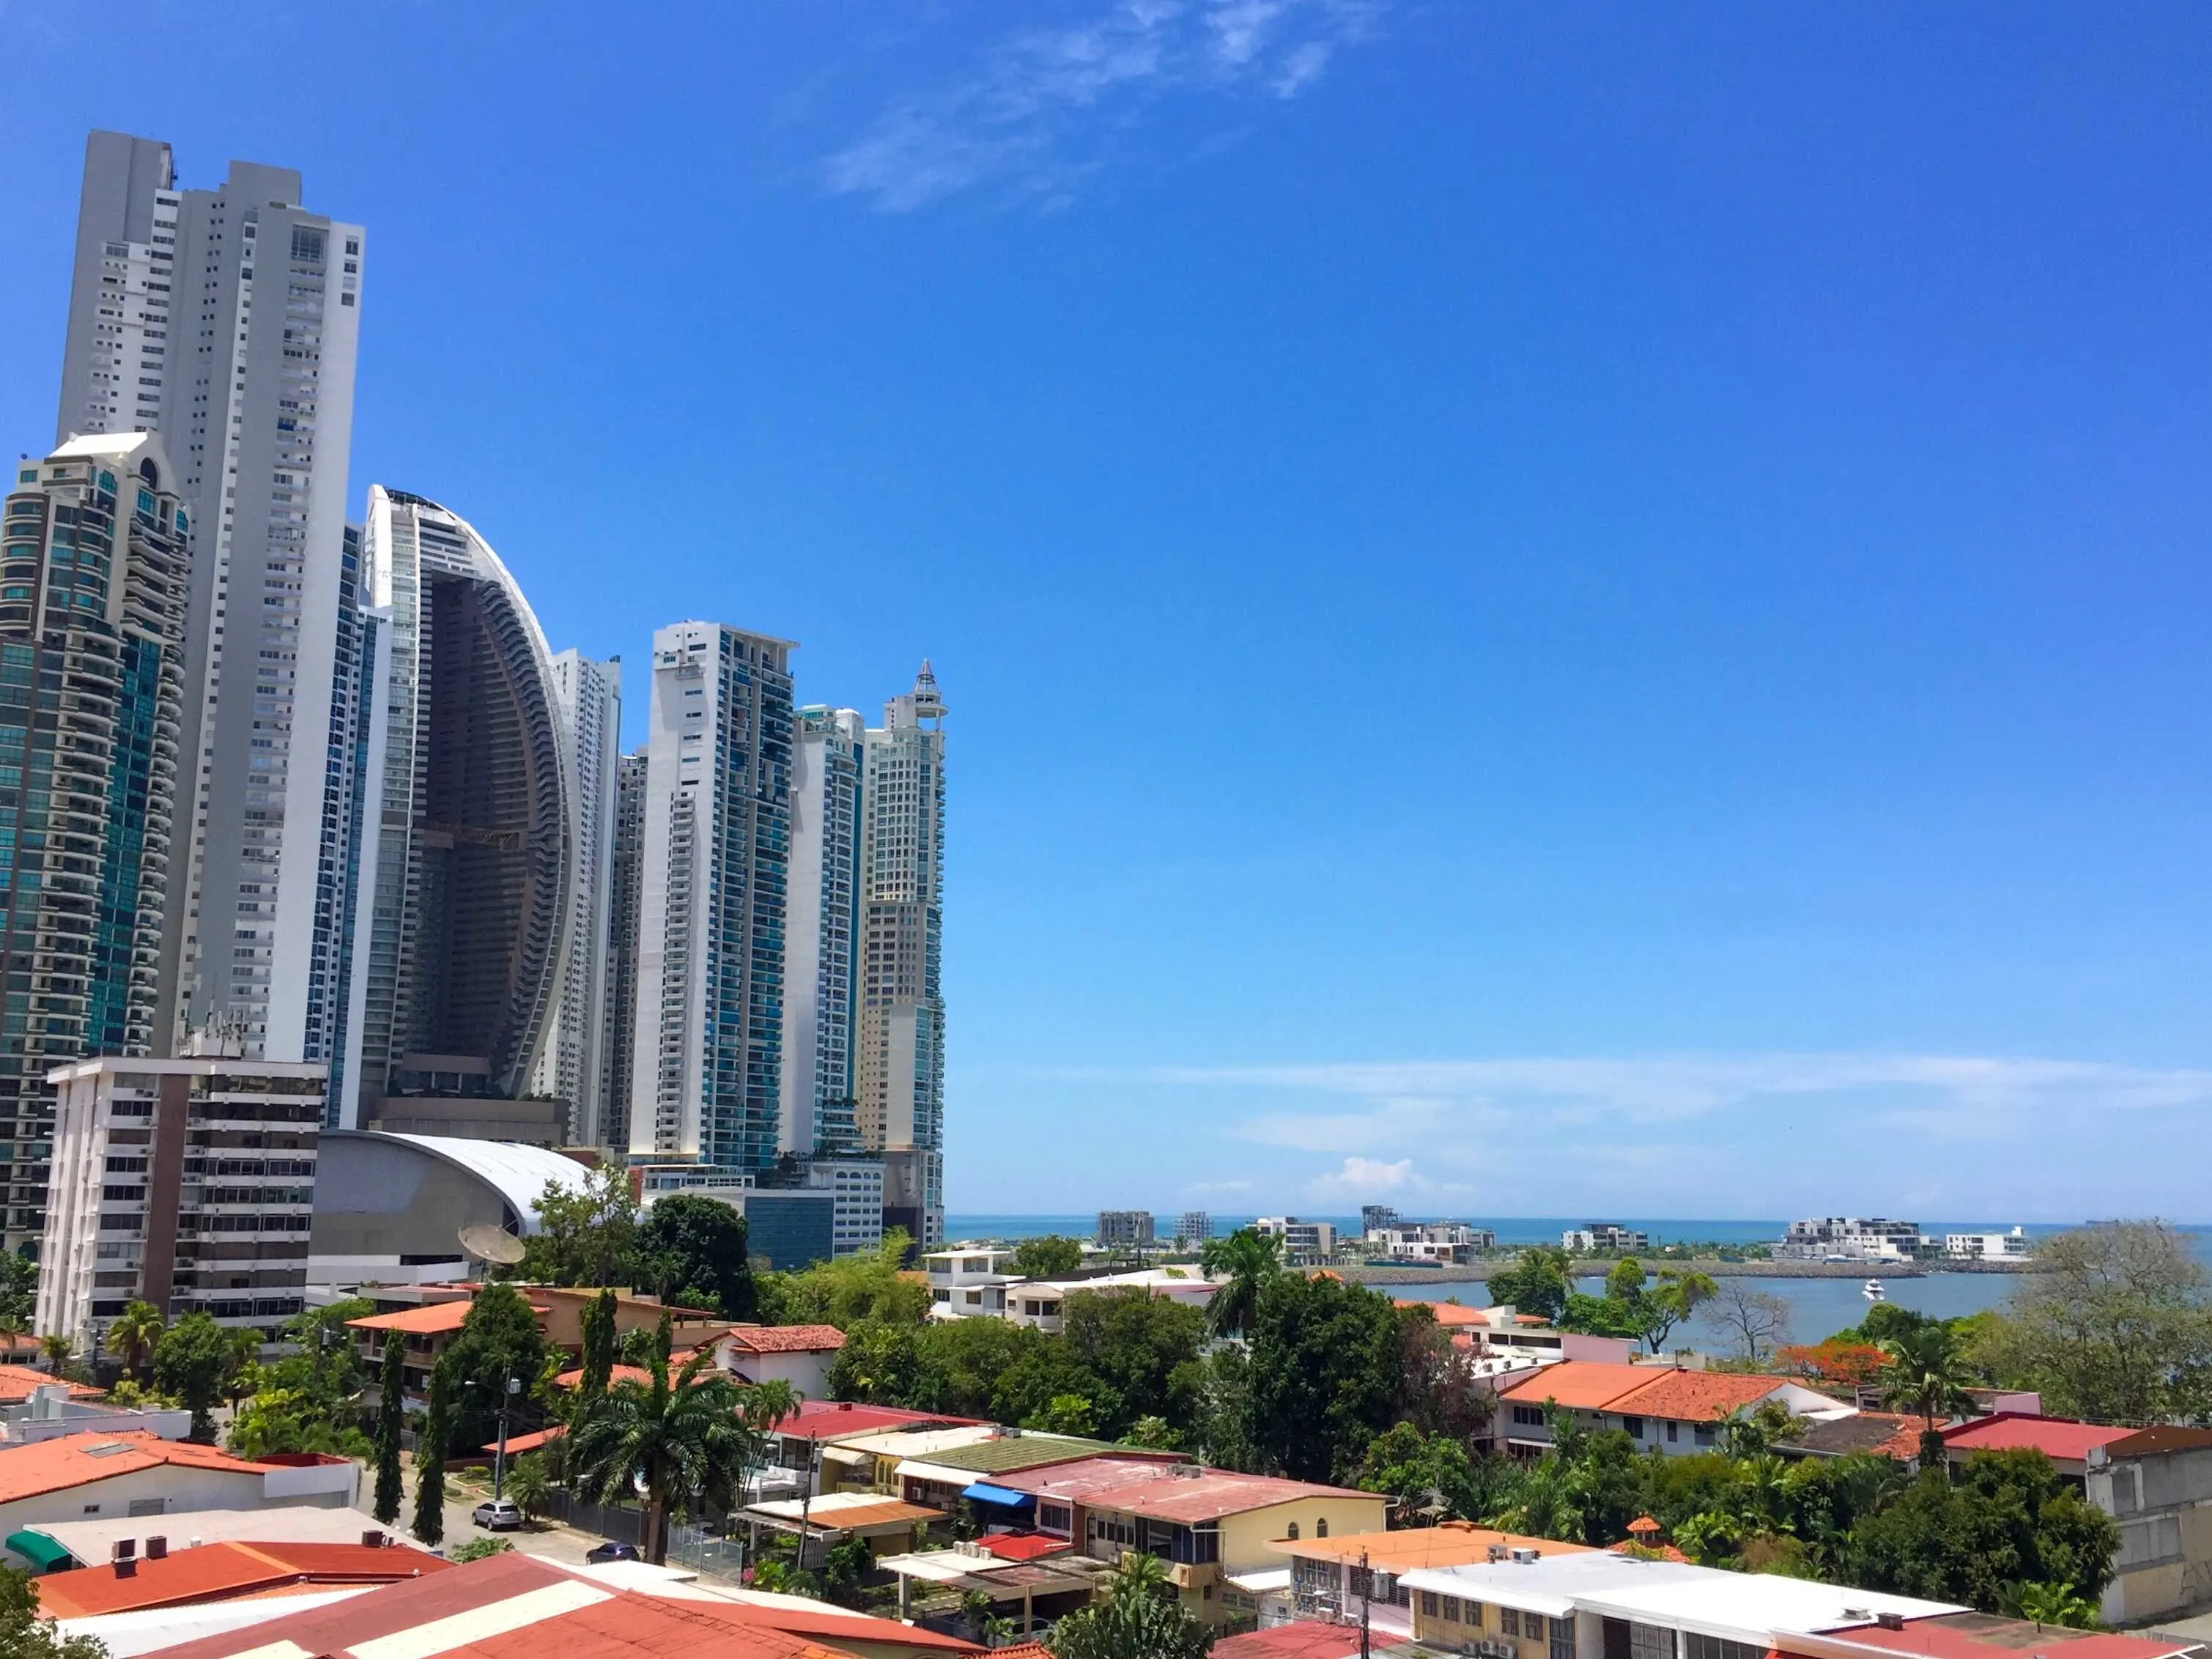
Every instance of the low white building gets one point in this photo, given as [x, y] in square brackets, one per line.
[969, 1283]
[1305, 1244]
[1598, 1603]
[82, 1477]
[1988, 1247]
[801, 1355]
[1603, 1236]
[1038, 1301]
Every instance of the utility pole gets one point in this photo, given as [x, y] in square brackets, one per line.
[499, 1465]
[1366, 1591]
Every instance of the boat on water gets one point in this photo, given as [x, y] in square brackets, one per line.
[1873, 1292]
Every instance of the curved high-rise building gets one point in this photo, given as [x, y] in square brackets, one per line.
[474, 872]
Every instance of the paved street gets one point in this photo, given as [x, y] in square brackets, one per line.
[545, 1538]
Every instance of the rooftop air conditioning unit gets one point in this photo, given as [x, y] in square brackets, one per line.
[1891, 1620]
[1523, 1555]
[1498, 1552]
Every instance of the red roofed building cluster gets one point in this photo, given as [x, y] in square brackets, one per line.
[1661, 1408]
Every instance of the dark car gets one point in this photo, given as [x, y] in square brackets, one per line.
[611, 1550]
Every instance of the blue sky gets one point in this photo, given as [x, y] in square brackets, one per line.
[1546, 608]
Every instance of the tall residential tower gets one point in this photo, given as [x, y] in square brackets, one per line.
[707, 1059]
[625, 895]
[473, 873]
[226, 321]
[92, 605]
[572, 1065]
[819, 961]
[900, 1063]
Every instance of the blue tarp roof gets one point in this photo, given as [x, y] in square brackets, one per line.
[984, 1492]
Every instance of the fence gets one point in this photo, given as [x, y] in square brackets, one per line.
[622, 1523]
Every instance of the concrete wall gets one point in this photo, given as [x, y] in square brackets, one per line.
[2164, 1506]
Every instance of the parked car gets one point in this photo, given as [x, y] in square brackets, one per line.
[611, 1550]
[498, 1514]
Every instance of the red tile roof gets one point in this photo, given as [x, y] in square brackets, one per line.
[788, 1338]
[77, 1460]
[224, 1573]
[17, 1382]
[618, 1374]
[1022, 1546]
[1696, 1396]
[821, 1419]
[2057, 1437]
[514, 1606]
[1587, 1385]
[519, 1444]
[1984, 1636]
[1302, 1641]
[1155, 1491]
[429, 1320]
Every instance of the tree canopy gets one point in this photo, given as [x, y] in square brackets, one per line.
[1047, 1257]
[191, 1362]
[2113, 1326]
[694, 1250]
[1539, 1282]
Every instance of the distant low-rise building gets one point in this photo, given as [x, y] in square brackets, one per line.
[87, 1476]
[1988, 1247]
[1125, 1229]
[1852, 1239]
[1595, 1235]
[1194, 1227]
[1041, 1302]
[1452, 1243]
[1659, 1407]
[969, 1283]
[1305, 1244]
[1338, 1578]
[1502, 1340]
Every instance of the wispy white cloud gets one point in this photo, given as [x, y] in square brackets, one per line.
[1028, 121]
[1359, 1179]
[1389, 1104]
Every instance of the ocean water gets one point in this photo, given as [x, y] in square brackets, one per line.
[1819, 1307]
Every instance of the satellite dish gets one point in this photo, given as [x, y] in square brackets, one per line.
[487, 1243]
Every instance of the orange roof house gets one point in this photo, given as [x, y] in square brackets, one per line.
[225, 1571]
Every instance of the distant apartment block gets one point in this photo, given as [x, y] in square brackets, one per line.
[1305, 1244]
[1852, 1239]
[1194, 1227]
[1123, 1229]
[1596, 1235]
[1376, 1217]
[1988, 1247]
[188, 1183]
[1450, 1242]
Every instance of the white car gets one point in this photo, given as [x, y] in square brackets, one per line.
[498, 1514]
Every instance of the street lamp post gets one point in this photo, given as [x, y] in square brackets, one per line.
[499, 1465]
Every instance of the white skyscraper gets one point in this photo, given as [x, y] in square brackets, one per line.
[819, 961]
[707, 1067]
[899, 1066]
[571, 1066]
[226, 321]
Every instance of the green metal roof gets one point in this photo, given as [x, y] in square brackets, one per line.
[40, 1551]
[1024, 1451]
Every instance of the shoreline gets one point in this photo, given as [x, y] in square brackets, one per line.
[1597, 1267]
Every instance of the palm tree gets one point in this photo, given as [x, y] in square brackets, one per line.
[131, 1338]
[1242, 1263]
[1926, 1375]
[56, 1350]
[12, 1332]
[678, 1442]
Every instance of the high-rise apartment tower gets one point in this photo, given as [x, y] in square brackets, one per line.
[625, 893]
[706, 1063]
[92, 573]
[819, 961]
[226, 321]
[899, 1065]
[474, 869]
[571, 1066]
